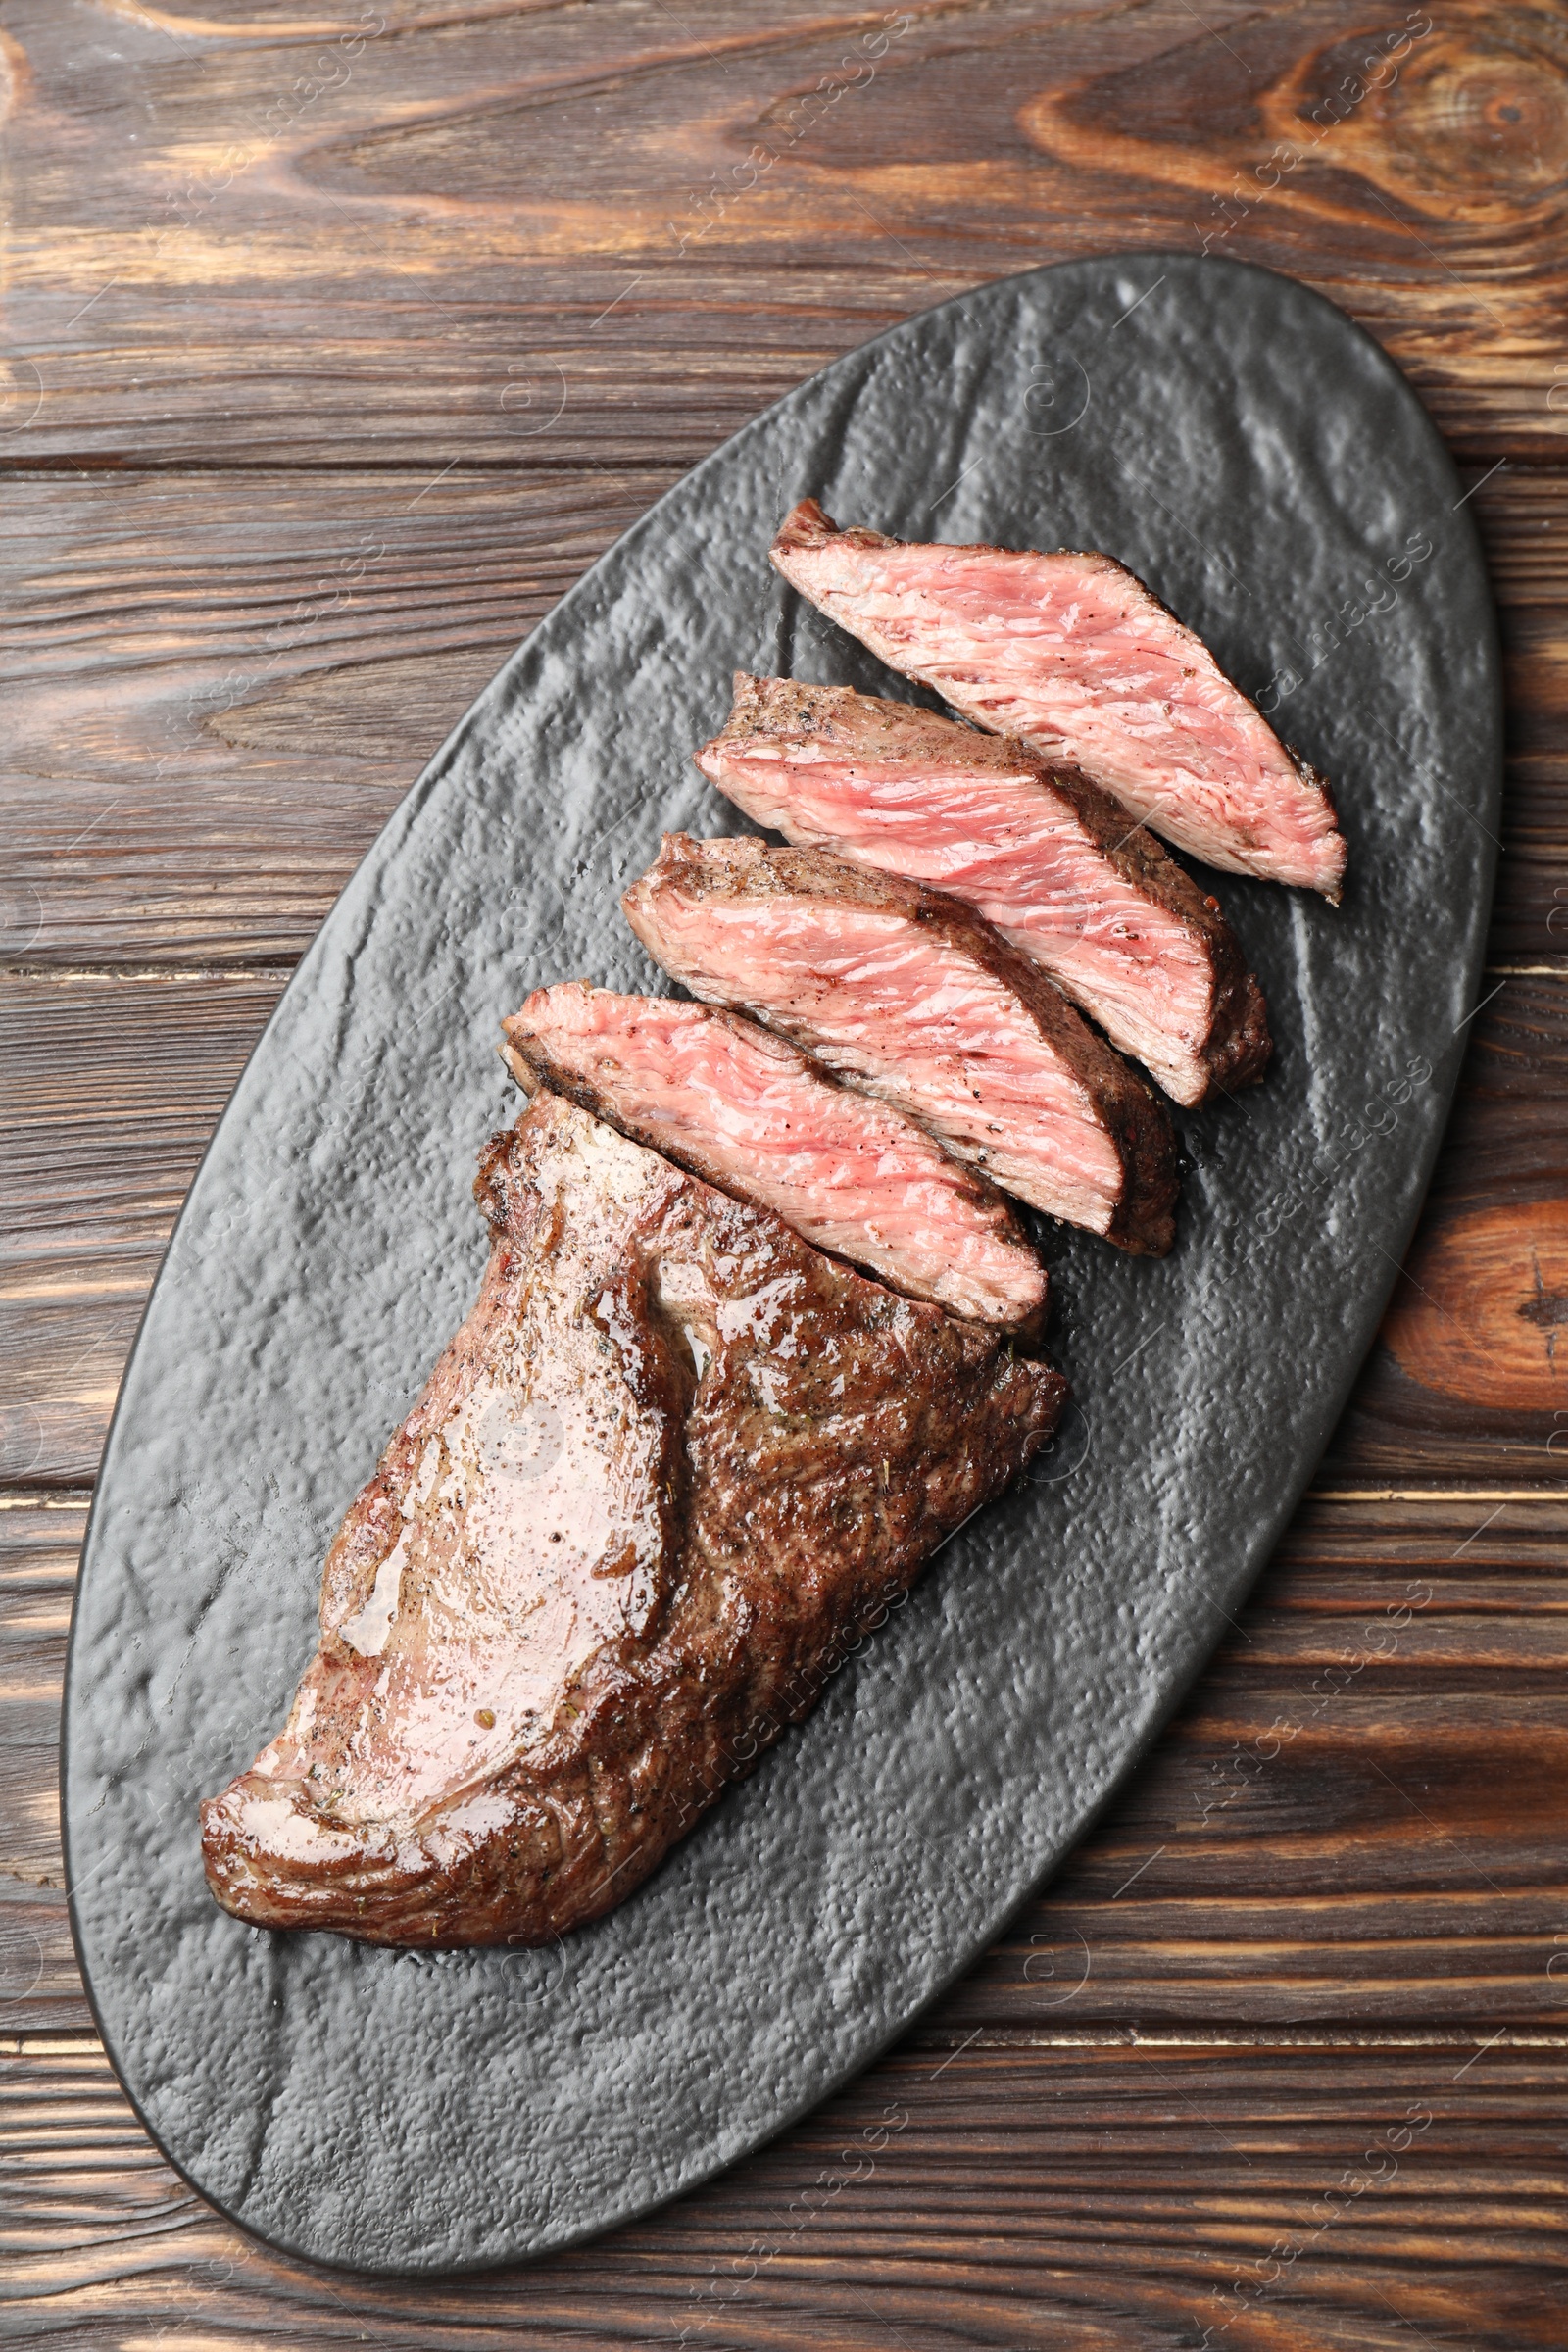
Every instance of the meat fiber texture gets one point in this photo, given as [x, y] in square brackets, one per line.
[906, 993]
[748, 1112]
[673, 1467]
[1071, 652]
[1044, 855]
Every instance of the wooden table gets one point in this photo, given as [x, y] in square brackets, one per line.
[343, 340]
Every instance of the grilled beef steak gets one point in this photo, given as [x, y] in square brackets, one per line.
[748, 1112]
[906, 993]
[669, 1469]
[1074, 654]
[1045, 855]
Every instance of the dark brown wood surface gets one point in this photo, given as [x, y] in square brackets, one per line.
[341, 338]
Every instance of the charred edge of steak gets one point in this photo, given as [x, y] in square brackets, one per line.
[659, 1724]
[1127, 1105]
[1237, 1047]
[808, 525]
[807, 528]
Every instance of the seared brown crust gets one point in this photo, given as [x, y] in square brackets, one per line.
[834, 1435]
[1237, 1047]
[1128, 1108]
[808, 524]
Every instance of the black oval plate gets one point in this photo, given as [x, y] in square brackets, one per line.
[1256, 459]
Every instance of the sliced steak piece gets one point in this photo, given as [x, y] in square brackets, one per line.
[670, 1469]
[1042, 853]
[906, 993]
[748, 1112]
[1074, 654]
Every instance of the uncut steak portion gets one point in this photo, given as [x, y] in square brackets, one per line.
[906, 993]
[749, 1113]
[1074, 654]
[672, 1467]
[1042, 853]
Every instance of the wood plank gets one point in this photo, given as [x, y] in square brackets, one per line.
[1438, 1402]
[102, 1146]
[490, 236]
[549, 234]
[222, 685]
[113, 1091]
[39, 1544]
[1263, 2199]
[1354, 1824]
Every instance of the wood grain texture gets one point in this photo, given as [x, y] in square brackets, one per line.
[116, 1083]
[340, 340]
[257, 665]
[1443, 1394]
[112, 1088]
[371, 231]
[961, 2193]
[1353, 1826]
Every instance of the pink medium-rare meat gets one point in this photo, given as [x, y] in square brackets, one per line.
[906, 992]
[1043, 854]
[1074, 654]
[673, 1467]
[744, 1110]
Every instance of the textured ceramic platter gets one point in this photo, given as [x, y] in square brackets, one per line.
[1254, 457]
